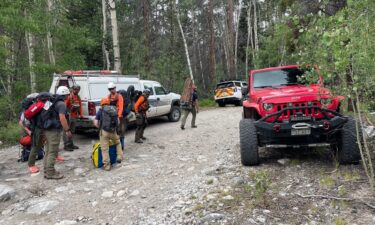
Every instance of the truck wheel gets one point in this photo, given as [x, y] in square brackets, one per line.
[175, 114]
[348, 150]
[221, 104]
[248, 143]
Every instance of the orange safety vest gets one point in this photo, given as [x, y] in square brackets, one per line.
[118, 101]
[74, 104]
[141, 105]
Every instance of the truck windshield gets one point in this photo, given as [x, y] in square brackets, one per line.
[281, 77]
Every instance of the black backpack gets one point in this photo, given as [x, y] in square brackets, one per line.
[49, 119]
[135, 99]
[25, 153]
[109, 118]
[124, 95]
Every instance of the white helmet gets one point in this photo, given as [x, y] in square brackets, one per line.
[62, 90]
[111, 85]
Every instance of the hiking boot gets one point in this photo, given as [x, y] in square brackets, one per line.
[107, 167]
[75, 147]
[182, 128]
[69, 148]
[138, 141]
[55, 176]
[59, 158]
[33, 169]
[118, 160]
[194, 126]
[143, 138]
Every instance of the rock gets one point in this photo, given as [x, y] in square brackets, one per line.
[107, 194]
[6, 212]
[238, 180]
[261, 219]
[42, 207]
[191, 168]
[79, 172]
[212, 216]
[228, 197]
[134, 193]
[6, 192]
[66, 222]
[284, 162]
[94, 204]
[120, 193]
[266, 211]
[61, 189]
[201, 159]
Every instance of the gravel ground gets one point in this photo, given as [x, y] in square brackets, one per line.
[192, 176]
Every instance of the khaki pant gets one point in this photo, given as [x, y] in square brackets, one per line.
[53, 142]
[105, 137]
[141, 126]
[37, 144]
[185, 113]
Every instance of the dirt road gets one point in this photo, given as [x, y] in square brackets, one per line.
[187, 177]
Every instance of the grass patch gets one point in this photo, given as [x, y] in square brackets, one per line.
[340, 221]
[351, 176]
[327, 182]
[207, 102]
[10, 134]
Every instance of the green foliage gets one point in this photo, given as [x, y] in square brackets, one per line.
[207, 102]
[10, 133]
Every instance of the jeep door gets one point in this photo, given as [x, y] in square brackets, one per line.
[152, 111]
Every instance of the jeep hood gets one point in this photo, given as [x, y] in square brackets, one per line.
[294, 93]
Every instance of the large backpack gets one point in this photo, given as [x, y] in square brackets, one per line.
[109, 118]
[33, 109]
[124, 95]
[48, 116]
[135, 99]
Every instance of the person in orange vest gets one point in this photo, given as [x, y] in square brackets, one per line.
[74, 105]
[140, 108]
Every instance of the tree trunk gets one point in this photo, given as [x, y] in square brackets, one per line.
[146, 26]
[255, 28]
[248, 38]
[51, 54]
[116, 46]
[29, 37]
[211, 43]
[106, 60]
[230, 47]
[184, 40]
[236, 39]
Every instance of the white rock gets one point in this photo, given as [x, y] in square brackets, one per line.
[79, 171]
[191, 168]
[6, 212]
[6, 192]
[201, 159]
[42, 207]
[94, 204]
[120, 193]
[134, 193]
[61, 189]
[66, 222]
[266, 211]
[261, 219]
[283, 161]
[228, 197]
[107, 194]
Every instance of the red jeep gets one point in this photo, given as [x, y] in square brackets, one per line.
[283, 111]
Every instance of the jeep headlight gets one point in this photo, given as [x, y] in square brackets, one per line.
[325, 101]
[267, 106]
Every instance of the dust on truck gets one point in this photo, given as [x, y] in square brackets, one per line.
[283, 111]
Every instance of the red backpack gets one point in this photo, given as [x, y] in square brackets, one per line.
[35, 108]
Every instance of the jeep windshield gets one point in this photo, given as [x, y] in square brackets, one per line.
[280, 77]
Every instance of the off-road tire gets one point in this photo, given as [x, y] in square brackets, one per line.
[348, 150]
[175, 114]
[248, 143]
[221, 104]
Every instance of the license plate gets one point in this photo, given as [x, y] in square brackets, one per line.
[298, 132]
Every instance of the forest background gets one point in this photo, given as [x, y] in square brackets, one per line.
[169, 40]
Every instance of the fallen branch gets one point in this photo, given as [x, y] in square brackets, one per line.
[337, 198]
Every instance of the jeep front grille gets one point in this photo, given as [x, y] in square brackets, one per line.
[306, 111]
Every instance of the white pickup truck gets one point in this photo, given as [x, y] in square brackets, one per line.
[94, 87]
